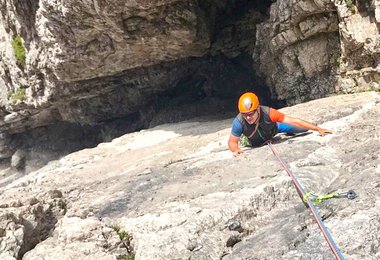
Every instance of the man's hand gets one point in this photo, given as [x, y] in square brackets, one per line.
[237, 152]
[233, 145]
[323, 132]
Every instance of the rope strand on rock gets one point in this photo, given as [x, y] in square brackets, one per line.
[314, 211]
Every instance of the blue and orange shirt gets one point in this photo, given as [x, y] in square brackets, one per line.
[274, 115]
[266, 129]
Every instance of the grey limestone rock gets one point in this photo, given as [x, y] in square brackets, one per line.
[206, 203]
[18, 160]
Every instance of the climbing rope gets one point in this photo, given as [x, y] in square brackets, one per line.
[309, 202]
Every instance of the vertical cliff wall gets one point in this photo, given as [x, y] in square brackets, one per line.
[308, 49]
[359, 29]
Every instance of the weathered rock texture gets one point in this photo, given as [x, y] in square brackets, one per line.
[74, 41]
[104, 68]
[297, 49]
[176, 192]
[311, 48]
[360, 46]
[96, 62]
[26, 221]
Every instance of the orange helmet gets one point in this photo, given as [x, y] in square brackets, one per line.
[248, 102]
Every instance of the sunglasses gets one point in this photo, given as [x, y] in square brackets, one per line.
[250, 114]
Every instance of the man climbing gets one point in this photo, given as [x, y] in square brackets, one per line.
[261, 123]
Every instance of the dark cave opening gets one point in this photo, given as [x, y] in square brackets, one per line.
[212, 91]
[225, 72]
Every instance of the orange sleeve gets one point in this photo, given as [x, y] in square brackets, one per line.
[275, 115]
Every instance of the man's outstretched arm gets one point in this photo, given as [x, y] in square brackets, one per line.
[297, 122]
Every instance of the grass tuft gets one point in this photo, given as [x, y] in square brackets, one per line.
[19, 50]
[18, 95]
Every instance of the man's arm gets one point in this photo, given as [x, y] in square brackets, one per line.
[297, 122]
[233, 144]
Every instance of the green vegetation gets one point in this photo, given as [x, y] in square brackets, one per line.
[116, 229]
[186, 22]
[122, 234]
[337, 62]
[297, 62]
[63, 205]
[244, 141]
[351, 4]
[18, 95]
[19, 50]
[126, 239]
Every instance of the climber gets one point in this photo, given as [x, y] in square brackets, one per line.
[261, 123]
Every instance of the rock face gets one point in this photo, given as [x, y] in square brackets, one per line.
[85, 41]
[360, 45]
[297, 49]
[103, 68]
[27, 221]
[68, 43]
[77, 73]
[311, 48]
[75, 41]
[176, 192]
[93, 63]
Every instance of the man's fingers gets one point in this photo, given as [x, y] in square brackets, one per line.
[323, 132]
[237, 152]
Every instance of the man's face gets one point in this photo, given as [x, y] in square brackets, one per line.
[251, 117]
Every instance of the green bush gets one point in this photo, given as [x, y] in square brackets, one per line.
[18, 95]
[122, 234]
[125, 238]
[19, 50]
[62, 204]
[350, 4]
